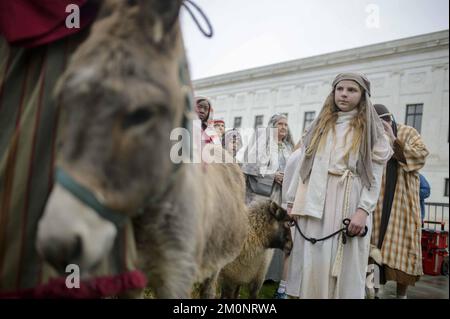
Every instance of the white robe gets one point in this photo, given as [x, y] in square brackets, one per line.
[310, 270]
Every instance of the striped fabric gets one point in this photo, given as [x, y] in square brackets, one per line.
[28, 127]
[401, 248]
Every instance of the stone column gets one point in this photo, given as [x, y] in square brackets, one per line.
[229, 120]
[395, 107]
[433, 126]
[272, 101]
[297, 125]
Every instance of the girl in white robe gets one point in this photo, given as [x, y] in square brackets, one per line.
[338, 179]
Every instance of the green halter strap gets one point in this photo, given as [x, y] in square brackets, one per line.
[88, 198]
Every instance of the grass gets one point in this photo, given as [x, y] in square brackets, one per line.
[266, 292]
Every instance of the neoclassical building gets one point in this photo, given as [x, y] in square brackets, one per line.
[409, 75]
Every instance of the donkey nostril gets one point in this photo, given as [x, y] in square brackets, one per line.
[61, 254]
[77, 250]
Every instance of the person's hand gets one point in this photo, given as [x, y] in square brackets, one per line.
[279, 177]
[389, 131]
[358, 222]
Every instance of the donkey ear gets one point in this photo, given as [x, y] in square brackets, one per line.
[167, 10]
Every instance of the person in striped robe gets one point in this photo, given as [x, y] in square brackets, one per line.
[396, 234]
[33, 55]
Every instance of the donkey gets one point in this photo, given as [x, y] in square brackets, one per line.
[125, 88]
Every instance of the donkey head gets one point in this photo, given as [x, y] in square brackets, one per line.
[125, 88]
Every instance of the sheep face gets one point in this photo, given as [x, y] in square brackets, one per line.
[279, 232]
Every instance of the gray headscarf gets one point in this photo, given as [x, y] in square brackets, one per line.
[254, 148]
[374, 131]
[273, 123]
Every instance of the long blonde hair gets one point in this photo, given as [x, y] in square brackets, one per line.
[327, 122]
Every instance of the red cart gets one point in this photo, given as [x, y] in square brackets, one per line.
[434, 249]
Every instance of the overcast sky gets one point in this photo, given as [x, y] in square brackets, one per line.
[251, 33]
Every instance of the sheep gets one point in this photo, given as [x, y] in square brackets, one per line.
[269, 229]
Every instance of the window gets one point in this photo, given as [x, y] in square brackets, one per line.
[446, 188]
[414, 116]
[308, 119]
[237, 122]
[259, 121]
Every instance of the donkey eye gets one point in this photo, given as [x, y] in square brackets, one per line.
[136, 117]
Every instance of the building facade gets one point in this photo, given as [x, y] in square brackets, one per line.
[410, 76]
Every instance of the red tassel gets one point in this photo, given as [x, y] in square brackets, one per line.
[98, 287]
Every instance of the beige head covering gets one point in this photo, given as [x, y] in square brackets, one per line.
[259, 148]
[374, 131]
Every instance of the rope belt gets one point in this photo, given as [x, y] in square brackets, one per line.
[347, 179]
